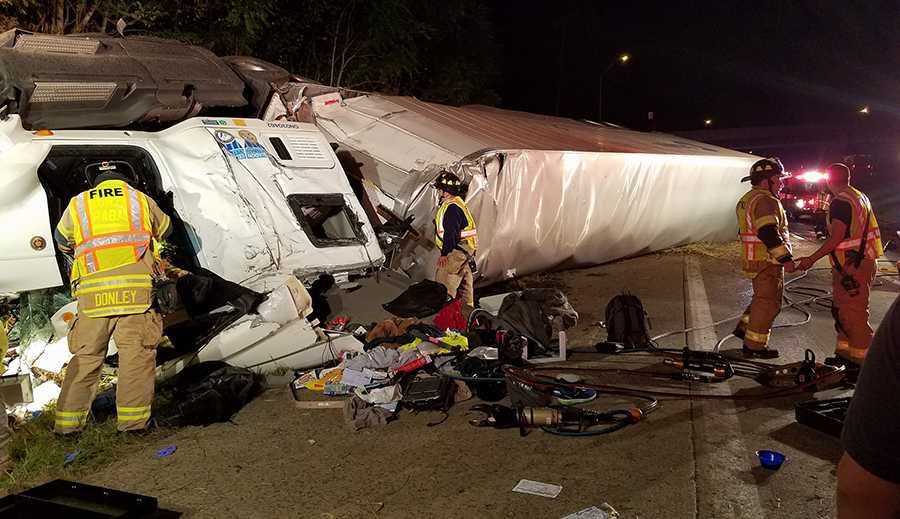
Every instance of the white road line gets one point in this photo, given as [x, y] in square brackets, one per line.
[697, 311]
[718, 438]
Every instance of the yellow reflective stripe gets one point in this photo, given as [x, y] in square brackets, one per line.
[134, 418]
[81, 290]
[164, 226]
[71, 413]
[70, 421]
[762, 338]
[858, 353]
[112, 280]
[133, 409]
[765, 220]
[71, 417]
[127, 414]
[118, 310]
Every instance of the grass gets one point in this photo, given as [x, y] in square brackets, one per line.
[40, 455]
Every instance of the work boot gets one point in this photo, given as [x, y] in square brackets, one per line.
[764, 353]
[836, 361]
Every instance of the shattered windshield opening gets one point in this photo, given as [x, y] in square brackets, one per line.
[327, 220]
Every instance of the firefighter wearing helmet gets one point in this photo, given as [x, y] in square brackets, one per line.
[110, 230]
[766, 254]
[456, 235]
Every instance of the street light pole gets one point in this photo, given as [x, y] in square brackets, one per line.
[621, 58]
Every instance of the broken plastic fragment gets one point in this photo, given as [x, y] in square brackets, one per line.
[166, 451]
[70, 457]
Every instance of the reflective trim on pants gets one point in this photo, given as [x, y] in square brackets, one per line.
[70, 420]
[761, 339]
[842, 348]
[132, 414]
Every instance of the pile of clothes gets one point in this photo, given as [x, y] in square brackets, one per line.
[375, 379]
[409, 363]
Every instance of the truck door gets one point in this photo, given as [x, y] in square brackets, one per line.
[27, 252]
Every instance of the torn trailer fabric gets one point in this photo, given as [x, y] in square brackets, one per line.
[590, 192]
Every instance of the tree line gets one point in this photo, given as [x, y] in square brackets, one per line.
[438, 51]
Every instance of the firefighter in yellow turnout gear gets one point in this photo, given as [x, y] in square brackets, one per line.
[854, 246]
[766, 249]
[456, 235]
[110, 229]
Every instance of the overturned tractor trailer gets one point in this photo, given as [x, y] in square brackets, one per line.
[262, 208]
[547, 192]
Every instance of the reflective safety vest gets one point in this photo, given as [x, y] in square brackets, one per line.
[112, 227]
[112, 230]
[468, 236]
[122, 291]
[756, 256]
[861, 209]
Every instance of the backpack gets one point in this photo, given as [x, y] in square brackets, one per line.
[627, 324]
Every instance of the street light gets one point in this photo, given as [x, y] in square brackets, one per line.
[864, 110]
[620, 59]
[707, 122]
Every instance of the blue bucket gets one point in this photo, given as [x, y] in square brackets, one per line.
[771, 460]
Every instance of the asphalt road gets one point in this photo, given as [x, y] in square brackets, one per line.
[691, 458]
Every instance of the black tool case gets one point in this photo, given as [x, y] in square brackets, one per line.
[824, 415]
[72, 500]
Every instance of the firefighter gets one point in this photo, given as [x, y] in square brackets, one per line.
[853, 246]
[456, 235]
[110, 230]
[766, 254]
[820, 218]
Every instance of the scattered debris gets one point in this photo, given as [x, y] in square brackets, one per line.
[317, 404]
[165, 452]
[70, 457]
[527, 486]
[604, 511]
[771, 460]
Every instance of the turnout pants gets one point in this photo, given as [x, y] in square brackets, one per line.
[851, 313]
[457, 277]
[756, 323]
[136, 338]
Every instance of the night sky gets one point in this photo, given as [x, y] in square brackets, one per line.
[759, 63]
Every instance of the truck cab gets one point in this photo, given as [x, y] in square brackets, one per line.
[258, 205]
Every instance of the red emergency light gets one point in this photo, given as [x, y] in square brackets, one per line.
[812, 175]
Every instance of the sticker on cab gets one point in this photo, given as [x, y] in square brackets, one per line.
[245, 146]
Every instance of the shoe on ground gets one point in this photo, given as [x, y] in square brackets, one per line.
[765, 353]
[836, 361]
